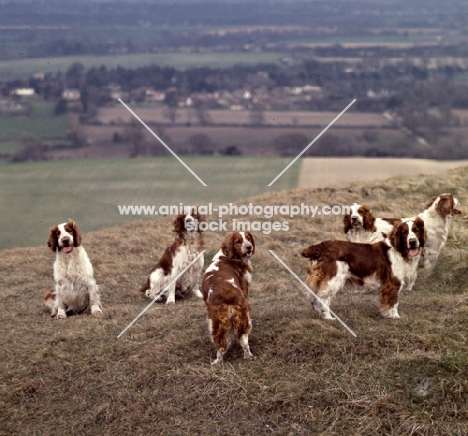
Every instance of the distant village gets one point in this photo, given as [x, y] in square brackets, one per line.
[245, 98]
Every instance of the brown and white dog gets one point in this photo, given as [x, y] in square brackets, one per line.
[437, 216]
[75, 287]
[188, 244]
[390, 265]
[225, 290]
[360, 225]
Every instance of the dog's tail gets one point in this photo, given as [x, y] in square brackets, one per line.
[48, 299]
[313, 252]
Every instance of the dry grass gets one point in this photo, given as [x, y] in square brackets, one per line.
[405, 377]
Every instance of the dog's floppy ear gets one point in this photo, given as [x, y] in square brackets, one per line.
[445, 205]
[395, 235]
[347, 223]
[76, 233]
[52, 243]
[368, 219]
[178, 223]
[250, 237]
[422, 231]
[227, 246]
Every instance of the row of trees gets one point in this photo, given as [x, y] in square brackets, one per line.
[370, 143]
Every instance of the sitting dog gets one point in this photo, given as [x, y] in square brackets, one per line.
[389, 265]
[225, 290]
[75, 287]
[187, 245]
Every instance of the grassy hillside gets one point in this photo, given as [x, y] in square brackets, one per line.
[398, 377]
[37, 195]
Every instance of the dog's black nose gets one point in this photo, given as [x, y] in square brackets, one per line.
[413, 243]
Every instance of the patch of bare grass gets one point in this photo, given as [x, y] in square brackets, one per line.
[310, 376]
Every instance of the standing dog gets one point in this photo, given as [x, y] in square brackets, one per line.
[437, 216]
[360, 225]
[225, 290]
[389, 265]
[75, 287]
[188, 244]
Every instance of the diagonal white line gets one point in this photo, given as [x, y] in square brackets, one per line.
[163, 143]
[312, 292]
[305, 149]
[160, 293]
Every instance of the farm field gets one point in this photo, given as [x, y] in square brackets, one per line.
[90, 191]
[397, 377]
[282, 133]
[40, 123]
[250, 141]
[23, 68]
[325, 172]
[119, 114]
[431, 63]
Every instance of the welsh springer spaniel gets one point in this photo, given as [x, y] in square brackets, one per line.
[437, 216]
[75, 287]
[390, 265]
[187, 245]
[225, 290]
[360, 225]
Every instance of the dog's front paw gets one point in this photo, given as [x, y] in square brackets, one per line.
[197, 293]
[390, 314]
[96, 310]
[61, 315]
[322, 310]
[219, 358]
[248, 355]
[150, 295]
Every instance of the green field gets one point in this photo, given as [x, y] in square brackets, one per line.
[23, 68]
[41, 123]
[35, 196]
